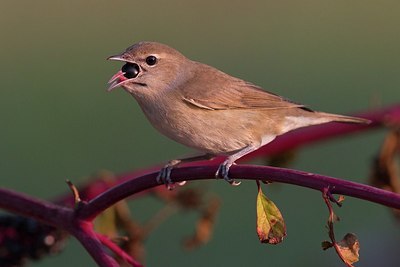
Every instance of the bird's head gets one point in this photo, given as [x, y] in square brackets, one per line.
[149, 68]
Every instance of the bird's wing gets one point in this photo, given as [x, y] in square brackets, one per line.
[226, 92]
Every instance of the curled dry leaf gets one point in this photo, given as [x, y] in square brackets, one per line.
[271, 227]
[341, 199]
[326, 244]
[349, 247]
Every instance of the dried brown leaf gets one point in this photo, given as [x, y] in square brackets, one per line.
[349, 248]
[326, 245]
[341, 199]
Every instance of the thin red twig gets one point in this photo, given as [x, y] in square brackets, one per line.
[83, 231]
[105, 240]
[326, 195]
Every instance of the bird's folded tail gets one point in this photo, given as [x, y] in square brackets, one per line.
[342, 118]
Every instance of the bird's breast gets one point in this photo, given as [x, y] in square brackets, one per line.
[210, 131]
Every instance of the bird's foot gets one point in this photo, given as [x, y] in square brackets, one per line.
[223, 171]
[164, 176]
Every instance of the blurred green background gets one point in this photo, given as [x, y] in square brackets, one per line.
[58, 122]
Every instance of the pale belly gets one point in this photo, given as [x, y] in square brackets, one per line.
[211, 131]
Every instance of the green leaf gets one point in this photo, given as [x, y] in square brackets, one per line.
[270, 224]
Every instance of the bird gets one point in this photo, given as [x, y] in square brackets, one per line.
[206, 109]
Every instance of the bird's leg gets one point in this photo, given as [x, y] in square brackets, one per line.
[223, 169]
[164, 176]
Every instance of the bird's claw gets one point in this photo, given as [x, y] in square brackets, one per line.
[223, 171]
[164, 176]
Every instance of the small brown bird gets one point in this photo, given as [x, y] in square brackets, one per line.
[207, 109]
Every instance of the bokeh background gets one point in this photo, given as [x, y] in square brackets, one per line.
[58, 122]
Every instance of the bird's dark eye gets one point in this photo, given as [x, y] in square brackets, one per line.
[131, 70]
[151, 60]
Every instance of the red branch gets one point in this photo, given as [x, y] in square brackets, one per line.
[44, 211]
[247, 172]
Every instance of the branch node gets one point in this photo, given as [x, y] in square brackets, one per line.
[327, 194]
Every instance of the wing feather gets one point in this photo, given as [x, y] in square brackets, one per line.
[226, 92]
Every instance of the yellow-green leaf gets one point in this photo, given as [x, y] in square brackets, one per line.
[105, 223]
[270, 224]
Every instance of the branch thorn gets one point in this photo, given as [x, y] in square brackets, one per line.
[75, 192]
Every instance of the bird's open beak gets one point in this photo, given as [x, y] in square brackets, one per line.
[117, 58]
[118, 79]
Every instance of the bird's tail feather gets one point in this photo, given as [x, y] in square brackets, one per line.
[342, 118]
